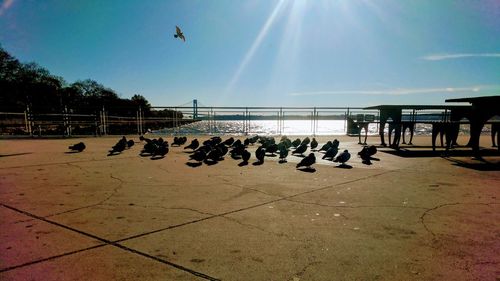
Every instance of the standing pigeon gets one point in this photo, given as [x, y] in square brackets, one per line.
[245, 155]
[78, 147]
[307, 161]
[179, 34]
[296, 142]
[343, 157]
[272, 148]
[306, 141]
[330, 153]
[283, 153]
[314, 144]
[300, 149]
[260, 153]
[161, 150]
[194, 145]
[326, 146]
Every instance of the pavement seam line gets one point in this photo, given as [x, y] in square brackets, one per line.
[112, 243]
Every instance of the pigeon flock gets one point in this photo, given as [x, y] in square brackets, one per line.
[214, 149]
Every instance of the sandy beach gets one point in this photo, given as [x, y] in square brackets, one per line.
[412, 215]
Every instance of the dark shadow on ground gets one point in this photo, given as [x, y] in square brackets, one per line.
[307, 170]
[158, 157]
[416, 153]
[258, 163]
[194, 164]
[344, 166]
[15, 154]
[68, 152]
[244, 163]
[282, 161]
[476, 164]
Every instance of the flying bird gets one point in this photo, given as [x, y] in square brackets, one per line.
[179, 34]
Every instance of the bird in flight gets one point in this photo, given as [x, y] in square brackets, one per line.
[179, 34]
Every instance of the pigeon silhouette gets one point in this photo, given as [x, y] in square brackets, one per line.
[260, 153]
[77, 147]
[229, 141]
[283, 153]
[245, 155]
[198, 156]
[307, 161]
[179, 34]
[330, 153]
[130, 143]
[306, 141]
[300, 149]
[161, 150]
[343, 157]
[326, 146]
[314, 144]
[193, 145]
[296, 143]
[272, 148]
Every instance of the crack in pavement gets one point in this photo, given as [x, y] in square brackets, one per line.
[248, 225]
[65, 163]
[422, 217]
[113, 243]
[162, 207]
[115, 190]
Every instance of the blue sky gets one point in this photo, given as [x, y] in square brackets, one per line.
[265, 52]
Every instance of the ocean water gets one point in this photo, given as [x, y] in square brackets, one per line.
[290, 127]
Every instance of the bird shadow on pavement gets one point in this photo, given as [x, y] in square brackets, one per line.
[71, 152]
[307, 170]
[344, 166]
[15, 154]
[157, 157]
[194, 165]
[210, 163]
[244, 163]
[258, 163]
[282, 161]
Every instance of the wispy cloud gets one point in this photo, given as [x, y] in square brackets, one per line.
[6, 4]
[435, 57]
[400, 91]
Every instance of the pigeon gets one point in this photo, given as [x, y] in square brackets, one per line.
[342, 157]
[260, 153]
[246, 142]
[182, 140]
[296, 143]
[272, 148]
[236, 143]
[237, 151]
[307, 161]
[130, 143]
[216, 140]
[330, 153]
[194, 145]
[198, 156]
[119, 146]
[314, 144]
[300, 149]
[213, 155]
[283, 153]
[306, 141]
[229, 141]
[253, 140]
[78, 147]
[366, 153]
[245, 155]
[161, 150]
[179, 34]
[222, 148]
[326, 146]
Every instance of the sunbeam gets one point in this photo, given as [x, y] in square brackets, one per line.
[248, 56]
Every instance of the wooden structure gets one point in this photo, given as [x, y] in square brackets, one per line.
[482, 109]
[448, 123]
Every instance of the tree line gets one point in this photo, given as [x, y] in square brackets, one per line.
[29, 84]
